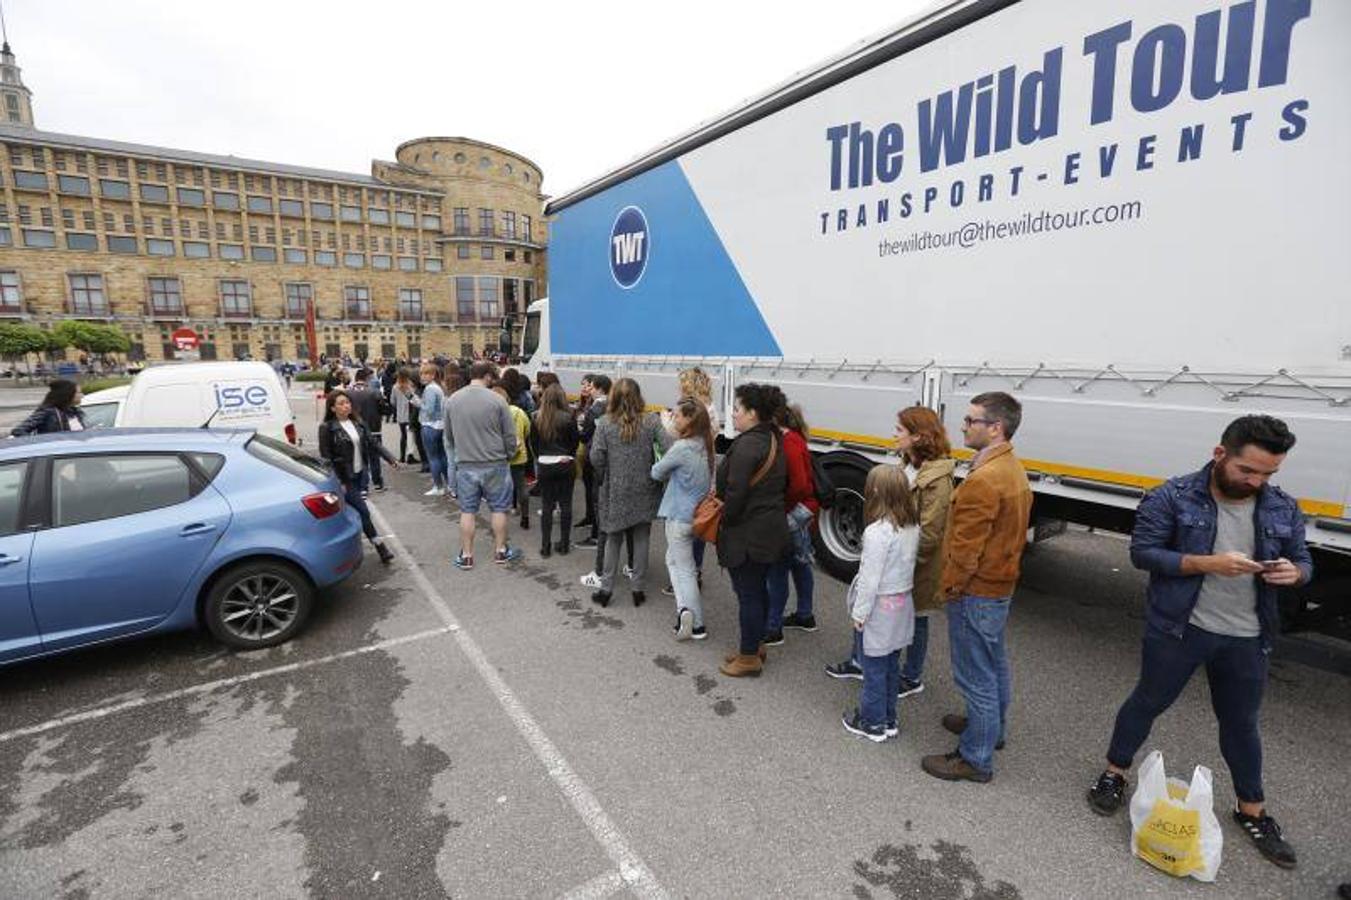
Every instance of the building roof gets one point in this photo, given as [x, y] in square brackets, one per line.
[79, 142]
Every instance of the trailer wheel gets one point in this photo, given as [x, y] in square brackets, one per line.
[838, 538]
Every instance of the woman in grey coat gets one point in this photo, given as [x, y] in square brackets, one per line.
[622, 453]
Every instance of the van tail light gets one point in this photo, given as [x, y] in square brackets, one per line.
[322, 505]
[290, 433]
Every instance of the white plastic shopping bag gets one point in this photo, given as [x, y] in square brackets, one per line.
[1173, 824]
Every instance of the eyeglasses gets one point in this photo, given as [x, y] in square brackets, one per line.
[968, 421]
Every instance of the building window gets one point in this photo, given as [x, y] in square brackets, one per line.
[357, 301]
[225, 200]
[378, 216]
[230, 251]
[321, 211]
[509, 255]
[77, 240]
[294, 255]
[509, 224]
[461, 220]
[73, 184]
[235, 298]
[166, 296]
[86, 295]
[260, 205]
[381, 261]
[263, 254]
[529, 257]
[485, 252]
[410, 305]
[431, 264]
[405, 220]
[11, 294]
[354, 260]
[33, 237]
[298, 297]
[196, 249]
[350, 213]
[525, 228]
[485, 221]
[293, 208]
[509, 296]
[6, 239]
[464, 298]
[30, 181]
[463, 251]
[154, 193]
[191, 197]
[527, 293]
[432, 223]
[487, 298]
[159, 247]
[325, 258]
[121, 244]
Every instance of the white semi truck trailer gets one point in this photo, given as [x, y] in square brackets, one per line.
[1133, 215]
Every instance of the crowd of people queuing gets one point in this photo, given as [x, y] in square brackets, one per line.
[931, 544]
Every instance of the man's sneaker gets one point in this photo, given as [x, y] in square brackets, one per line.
[853, 723]
[952, 767]
[1266, 835]
[847, 670]
[802, 623]
[591, 580]
[699, 633]
[909, 687]
[684, 627]
[1107, 793]
[773, 638]
[956, 724]
[464, 563]
[893, 730]
[507, 555]
[669, 590]
[628, 572]
[434, 492]
[379, 488]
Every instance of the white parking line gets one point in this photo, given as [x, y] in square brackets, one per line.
[632, 870]
[598, 888]
[101, 712]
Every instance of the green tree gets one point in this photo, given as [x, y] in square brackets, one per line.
[18, 340]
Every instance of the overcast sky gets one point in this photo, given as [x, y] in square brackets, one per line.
[577, 87]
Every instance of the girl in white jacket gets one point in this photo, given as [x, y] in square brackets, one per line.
[880, 605]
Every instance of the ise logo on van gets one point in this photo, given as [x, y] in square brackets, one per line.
[630, 246]
[236, 400]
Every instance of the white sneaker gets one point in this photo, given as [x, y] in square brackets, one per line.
[628, 571]
[591, 580]
[434, 492]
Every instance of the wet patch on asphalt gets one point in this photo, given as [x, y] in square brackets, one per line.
[586, 618]
[950, 874]
[723, 705]
[704, 683]
[669, 663]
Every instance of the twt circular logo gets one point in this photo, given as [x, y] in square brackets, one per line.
[630, 246]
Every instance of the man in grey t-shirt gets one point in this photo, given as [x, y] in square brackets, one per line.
[1229, 605]
[480, 432]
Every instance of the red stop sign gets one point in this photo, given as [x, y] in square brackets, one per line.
[186, 339]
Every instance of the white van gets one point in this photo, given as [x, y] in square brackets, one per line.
[175, 395]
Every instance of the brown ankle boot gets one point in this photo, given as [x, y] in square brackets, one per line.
[740, 666]
[760, 652]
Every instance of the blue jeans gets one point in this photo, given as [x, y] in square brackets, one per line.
[352, 494]
[980, 668]
[918, 649]
[450, 464]
[1236, 669]
[881, 684]
[777, 583]
[748, 581]
[434, 445]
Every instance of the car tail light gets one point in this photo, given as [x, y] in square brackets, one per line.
[322, 505]
[290, 433]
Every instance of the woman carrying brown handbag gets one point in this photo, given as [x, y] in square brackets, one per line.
[751, 482]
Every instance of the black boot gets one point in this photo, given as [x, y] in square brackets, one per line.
[562, 548]
[601, 598]
[545, 551]
[386, 554]
[639, 598]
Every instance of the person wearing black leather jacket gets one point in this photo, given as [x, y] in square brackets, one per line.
[347, 445]
[59, 411]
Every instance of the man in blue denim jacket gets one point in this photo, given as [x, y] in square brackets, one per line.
[1217, 544]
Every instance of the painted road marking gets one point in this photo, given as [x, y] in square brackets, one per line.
[632, 870]
[598, 888]
[101, 712]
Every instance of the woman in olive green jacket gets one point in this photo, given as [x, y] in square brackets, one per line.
[924, 449]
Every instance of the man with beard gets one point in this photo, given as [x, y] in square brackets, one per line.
[1217, 544]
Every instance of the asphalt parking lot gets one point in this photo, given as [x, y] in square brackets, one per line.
[492, 734]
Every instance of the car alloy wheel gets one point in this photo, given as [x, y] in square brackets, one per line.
[258, 605]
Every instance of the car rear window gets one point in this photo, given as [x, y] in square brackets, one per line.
[287, 458]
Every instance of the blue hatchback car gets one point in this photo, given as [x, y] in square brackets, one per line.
[106, 534]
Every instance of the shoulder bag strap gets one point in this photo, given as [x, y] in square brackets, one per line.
[765, 466]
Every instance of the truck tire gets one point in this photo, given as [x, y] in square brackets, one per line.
[838, 538]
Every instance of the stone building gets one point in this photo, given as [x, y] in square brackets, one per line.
[424, 256]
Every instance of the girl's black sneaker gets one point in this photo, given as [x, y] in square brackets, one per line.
[1105, 796]
[1266, 835]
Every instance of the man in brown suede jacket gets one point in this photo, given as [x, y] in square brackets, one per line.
[982, 554]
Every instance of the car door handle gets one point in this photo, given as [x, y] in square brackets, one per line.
[6, 559]
[196, 528]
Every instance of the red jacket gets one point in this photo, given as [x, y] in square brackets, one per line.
[801, 486]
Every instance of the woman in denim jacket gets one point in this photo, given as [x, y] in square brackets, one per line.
[687, 470]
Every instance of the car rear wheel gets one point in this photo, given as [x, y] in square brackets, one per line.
[258, 604]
